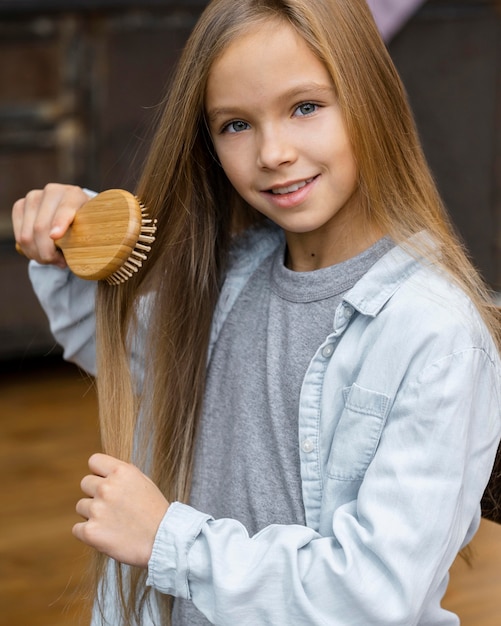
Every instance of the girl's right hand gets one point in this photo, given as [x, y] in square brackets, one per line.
[43, 216]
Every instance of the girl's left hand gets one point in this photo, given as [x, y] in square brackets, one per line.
[123, 510]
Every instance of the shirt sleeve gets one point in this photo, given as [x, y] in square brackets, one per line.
[68, 302]
[387, 559]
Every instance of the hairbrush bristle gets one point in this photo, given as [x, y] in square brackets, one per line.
[140, 250]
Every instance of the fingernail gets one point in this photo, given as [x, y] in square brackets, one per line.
[55, 232]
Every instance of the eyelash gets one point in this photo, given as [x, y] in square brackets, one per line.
[226, 128]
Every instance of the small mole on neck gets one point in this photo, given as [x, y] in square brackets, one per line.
[312, 254]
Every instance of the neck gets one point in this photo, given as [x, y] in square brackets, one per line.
[307, 252]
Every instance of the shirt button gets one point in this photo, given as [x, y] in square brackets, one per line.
[348, 312]
[308, 446]
[327, 350]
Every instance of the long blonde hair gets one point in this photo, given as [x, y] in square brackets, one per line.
[198, 212]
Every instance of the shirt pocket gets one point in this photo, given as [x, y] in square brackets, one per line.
[358, 432]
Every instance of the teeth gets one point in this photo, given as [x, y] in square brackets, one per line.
[291, 188]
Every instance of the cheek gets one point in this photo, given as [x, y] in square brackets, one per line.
[235, 170]
[338, 155]
[345, 178]
[347, 162]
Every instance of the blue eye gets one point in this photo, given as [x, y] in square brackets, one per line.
[306, 109]
[236, 127]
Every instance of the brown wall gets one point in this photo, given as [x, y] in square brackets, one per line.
[449, 57]
[78, 95]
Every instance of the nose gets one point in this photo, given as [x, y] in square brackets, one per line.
[276, 147]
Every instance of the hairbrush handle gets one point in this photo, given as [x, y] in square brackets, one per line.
[108, 238]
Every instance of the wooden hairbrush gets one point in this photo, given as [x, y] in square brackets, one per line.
[109, 238]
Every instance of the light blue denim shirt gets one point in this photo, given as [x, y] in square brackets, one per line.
[399, 422]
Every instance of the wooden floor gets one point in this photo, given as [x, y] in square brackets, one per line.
[48, 429]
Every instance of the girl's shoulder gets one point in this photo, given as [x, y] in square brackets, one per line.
[432, 304]
[404, 293]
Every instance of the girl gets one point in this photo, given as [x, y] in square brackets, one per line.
[312, 359]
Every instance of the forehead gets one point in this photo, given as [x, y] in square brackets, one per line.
[266, 60]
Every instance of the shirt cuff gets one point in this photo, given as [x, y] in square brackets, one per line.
[168, 568]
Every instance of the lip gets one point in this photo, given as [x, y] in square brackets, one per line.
[292, 198]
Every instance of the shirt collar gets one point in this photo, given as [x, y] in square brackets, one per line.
[385, 277]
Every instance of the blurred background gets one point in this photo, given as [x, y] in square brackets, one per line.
[80, 83]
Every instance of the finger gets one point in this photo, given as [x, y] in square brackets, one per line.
[78, 530]
[90, 534]
[83, 508]
[66, 200]
[81, 532]
[55, 213]
[23, 218]
[90, 485]
[32, 219]
[18, 217]
[103, 464]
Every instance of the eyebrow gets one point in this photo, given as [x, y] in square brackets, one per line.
[305, 89]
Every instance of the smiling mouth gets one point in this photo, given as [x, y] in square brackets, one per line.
[279, 191]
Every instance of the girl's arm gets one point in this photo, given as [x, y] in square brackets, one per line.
[38, 219]
[68, 303]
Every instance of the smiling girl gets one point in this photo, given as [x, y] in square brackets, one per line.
[306, 372]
